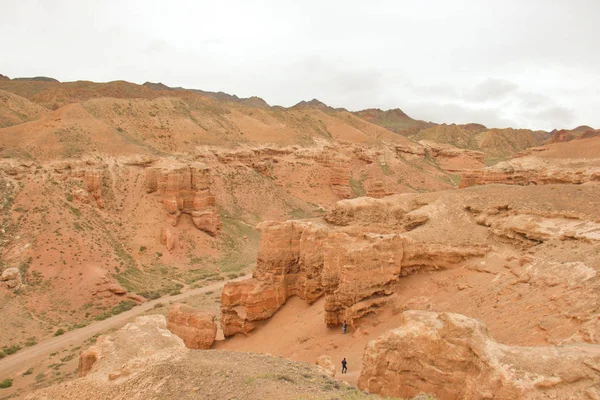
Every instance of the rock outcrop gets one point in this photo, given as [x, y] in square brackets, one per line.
[453, 357]
[92, 180]
[184, 188]
[339, 167]
[197, 329]
[531, 171]
[11, 278]
[326, 365]
[353, 269]
[377, 190]
[444, 154]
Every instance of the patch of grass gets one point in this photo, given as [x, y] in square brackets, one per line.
[55, 366]
[59, 332]
[28, 372]
[67, 358]
[6, 383]
[385, 168]
[298, 214]
[12, 349]
[31, 341]
[123, 306]
[358, 190]
[75, 211]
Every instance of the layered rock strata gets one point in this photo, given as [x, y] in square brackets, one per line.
[453, 357]
[184, 188]
[196, 328]
[353, 269]
[516, 174]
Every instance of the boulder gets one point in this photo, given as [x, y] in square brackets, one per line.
[454, 357]
[197, 328]
[326, 365]
[10, 274]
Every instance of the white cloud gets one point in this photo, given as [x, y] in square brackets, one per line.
[532, 63]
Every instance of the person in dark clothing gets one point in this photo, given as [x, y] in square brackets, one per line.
[344, 327]
[344, 368]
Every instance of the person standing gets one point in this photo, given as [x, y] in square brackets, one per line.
[344, 327]
[344, 366]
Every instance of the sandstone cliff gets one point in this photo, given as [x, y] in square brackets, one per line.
[184, 188]
[197, 328]
[353, 267]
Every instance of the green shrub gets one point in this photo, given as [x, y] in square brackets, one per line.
[6, 383]
[12, 349]
[59, 332]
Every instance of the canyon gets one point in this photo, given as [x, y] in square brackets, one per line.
[475, 243]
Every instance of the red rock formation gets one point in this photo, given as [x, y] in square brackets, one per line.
[289, 263]
[167, 238]
[356, 267]
[377, 190]
[197, 329]
[92, 180]
[355, 270]
[508, 174]
[453, 357]
[87, 360]
[184, 188]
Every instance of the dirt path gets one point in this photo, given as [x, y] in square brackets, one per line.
[31, 355]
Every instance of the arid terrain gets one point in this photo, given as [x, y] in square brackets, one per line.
[458, 255]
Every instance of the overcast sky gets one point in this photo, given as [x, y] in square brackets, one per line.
[519, 63]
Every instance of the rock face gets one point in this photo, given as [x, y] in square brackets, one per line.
[377, 190]
[340, 174]
[327, 365]
[92, 180]
[353, 269]
[453, 357]
[197, 329]
[184, 188]
[289, 263]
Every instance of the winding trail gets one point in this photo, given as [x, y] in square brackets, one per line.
[32, 355]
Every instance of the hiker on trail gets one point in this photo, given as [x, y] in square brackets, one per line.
[344, 369]
[344, 327]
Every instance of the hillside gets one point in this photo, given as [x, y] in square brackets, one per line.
[497, 144]
[394, 120]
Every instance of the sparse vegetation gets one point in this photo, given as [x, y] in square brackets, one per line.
[358, 190]
[59, 332]
[6, 383]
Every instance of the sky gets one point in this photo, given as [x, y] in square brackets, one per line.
[519, 63]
